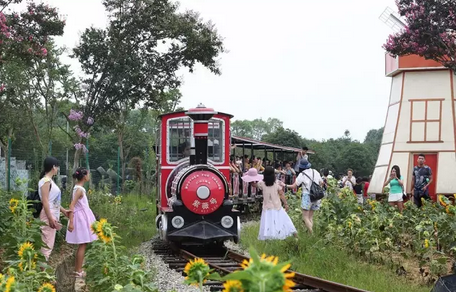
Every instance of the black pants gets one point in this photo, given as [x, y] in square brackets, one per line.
[420, 194]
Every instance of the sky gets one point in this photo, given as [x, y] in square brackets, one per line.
[318, 66]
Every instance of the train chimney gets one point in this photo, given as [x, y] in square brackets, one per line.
[200, 116]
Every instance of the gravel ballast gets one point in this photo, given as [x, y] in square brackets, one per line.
[166, 279]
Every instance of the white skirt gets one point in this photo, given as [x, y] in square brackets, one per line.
[275, 224]
[395, 197]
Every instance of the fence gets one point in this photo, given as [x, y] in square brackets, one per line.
[23, 160]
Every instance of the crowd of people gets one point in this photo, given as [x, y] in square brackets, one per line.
[250, 176]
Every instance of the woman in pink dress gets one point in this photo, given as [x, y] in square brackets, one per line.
[81, 218]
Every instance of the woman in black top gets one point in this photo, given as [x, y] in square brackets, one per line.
[358, 190]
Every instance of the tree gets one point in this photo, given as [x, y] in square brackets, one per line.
[374, 139]
[284, 137]
[135, 59]
[24, 36]
[255, 129]
[357, 157]
[430, 31]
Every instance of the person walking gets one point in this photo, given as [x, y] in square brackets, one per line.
[81, 218]
[275, 222]
[396, 186]
[51, 197]
[304, 179]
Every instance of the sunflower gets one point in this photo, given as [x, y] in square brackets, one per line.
[104, 231]
[426, 243]
[25, 248]
[196, 268]
[10, 284]
[2, 278]
[94, 227]
[442, 201]
[288, 283]
[46, 287]
[270, 262]
[232, 286]
[13, 205]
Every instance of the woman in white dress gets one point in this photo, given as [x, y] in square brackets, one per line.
[275, 222]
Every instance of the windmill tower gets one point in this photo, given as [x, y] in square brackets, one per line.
[420, 119]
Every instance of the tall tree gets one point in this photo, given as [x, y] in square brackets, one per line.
[23, 37]
[135, 59]
[430, 31]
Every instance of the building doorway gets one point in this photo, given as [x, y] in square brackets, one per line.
[431, 161]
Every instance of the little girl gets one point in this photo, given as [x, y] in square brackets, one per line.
[81, 218]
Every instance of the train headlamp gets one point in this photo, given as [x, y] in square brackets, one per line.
[177, 222]
[227, 221]
[203, 192]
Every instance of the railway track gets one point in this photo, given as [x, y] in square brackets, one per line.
[226, 261]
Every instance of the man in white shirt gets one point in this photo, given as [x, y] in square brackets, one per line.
[304, 179]
[349, 180]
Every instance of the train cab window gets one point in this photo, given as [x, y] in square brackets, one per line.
[179, 135]
[215, 141]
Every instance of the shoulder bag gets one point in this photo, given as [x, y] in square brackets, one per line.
[316, 192]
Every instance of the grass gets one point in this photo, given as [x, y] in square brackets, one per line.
[309, 256]
[134, 217]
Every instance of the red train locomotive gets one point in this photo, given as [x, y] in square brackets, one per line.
[193, 163]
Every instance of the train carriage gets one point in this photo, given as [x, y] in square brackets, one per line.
[193, 165]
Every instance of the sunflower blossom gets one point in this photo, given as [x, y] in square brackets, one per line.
[25, 249]
[232, 286]
[13, 205]
[46, 287]
[196, 270]
[10, 284]
[264, 270]
[426, 243]
[104, 231]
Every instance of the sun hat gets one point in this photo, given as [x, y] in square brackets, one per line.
[304, 164]
[252, 175]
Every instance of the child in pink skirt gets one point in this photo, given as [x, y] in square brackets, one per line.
[81, 218]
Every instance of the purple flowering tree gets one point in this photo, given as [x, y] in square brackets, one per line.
[430, 31]
[24, 35]
[82, 126]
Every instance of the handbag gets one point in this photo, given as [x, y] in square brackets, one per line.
[34, 202]
[404, 195]
[316, 192]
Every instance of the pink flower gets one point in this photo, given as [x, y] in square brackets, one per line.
[75, 116]
[81, 133]
[2, 87]
[90, 121]
[44, 52]
[80, 146]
